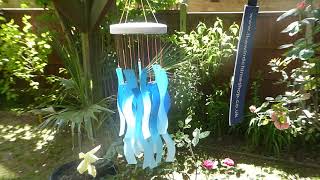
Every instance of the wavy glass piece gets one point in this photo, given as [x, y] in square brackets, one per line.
[119, 101]
[155, 136]
[162, 82]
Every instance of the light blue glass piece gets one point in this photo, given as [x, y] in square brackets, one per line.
[171, 147]
[138, 110]
[128, 139]
[132, 86]
[167, 138]
[127, 108]
[148, 159]
[131, 80]
[146, 104]
[139, 68]
[119, 101]
[162, 82]
[155, 136]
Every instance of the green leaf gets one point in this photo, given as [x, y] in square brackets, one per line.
[264, 105]
[264, 122]
[2, 18]
[204, 134]
[287, 14]
[306, 54]
[269, 99]
[307, 113]
[292, 28]
[285, 46]
[188, 119]
[196, 136]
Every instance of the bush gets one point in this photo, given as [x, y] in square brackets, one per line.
[23, 56]
[295, 113]
[194, 87]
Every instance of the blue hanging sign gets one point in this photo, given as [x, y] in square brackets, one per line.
[243, 62]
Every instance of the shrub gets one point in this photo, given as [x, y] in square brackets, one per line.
[295, 113]
[205, 49]
[23, 56]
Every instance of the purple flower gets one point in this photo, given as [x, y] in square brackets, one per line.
[208, 164]
[227, 162]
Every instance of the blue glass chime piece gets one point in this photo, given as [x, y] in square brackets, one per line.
[143, 110]
[125, 103]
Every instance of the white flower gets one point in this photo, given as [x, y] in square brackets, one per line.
[86, 163]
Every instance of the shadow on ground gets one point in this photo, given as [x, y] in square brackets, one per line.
[29, 154]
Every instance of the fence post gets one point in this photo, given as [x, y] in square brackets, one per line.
[183, 15]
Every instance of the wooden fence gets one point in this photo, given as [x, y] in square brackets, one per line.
[267, 40]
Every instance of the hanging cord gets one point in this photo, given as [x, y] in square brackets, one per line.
[161, 53]
[125, 64]
[123, 51]
[138, 38]
[125, 6]
[118, 50]
[142, 51]
[148, 49]
[128, 11]
[134, 51]
[156, 47]
[130, 51]
[154, 16]
[149, 62]
[144, 12]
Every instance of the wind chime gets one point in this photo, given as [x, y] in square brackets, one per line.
[143, 100]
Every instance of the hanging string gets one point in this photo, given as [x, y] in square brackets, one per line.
[148, 49]
[123, 51]
[134, 53]
[152, 48]
[118, 51]
[130, 52]
[152, 11]
[144, 12]
[148, 56]
[128, 11]
[138, 48]
[125, 64]
[161, 55]
[143, 54]
[125, 6]
[156, 45]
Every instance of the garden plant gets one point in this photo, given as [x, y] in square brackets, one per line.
[68, 126]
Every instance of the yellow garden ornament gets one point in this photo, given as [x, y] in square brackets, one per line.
[88, 159]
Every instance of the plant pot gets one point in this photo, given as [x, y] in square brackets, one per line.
[69, 171]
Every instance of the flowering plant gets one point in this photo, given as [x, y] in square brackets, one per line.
[294, 112]
[210, 165]
[225, 166]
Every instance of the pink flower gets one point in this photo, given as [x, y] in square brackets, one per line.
[274, 116]
[228, 162]
[252, 108]
[208, 164]
[280, 125]
[302, 5]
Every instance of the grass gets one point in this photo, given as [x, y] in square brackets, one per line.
[26, 154]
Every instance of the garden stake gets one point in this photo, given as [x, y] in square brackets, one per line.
[243, 62]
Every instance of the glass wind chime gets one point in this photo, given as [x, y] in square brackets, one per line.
[143, 100]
